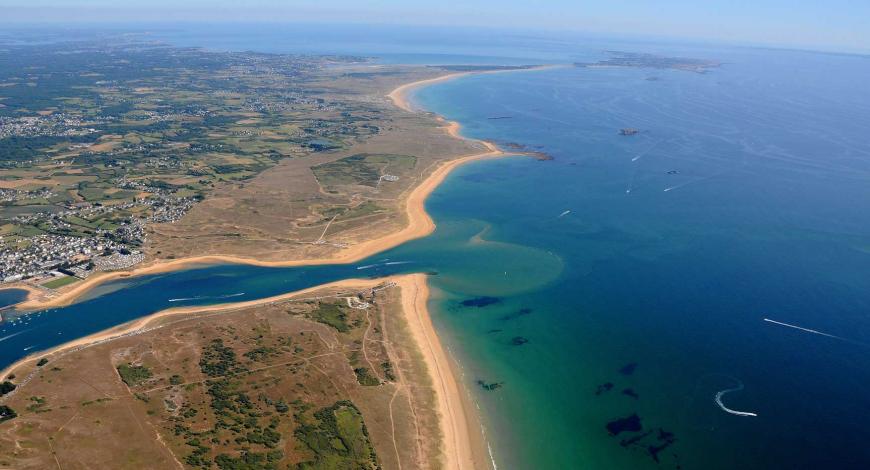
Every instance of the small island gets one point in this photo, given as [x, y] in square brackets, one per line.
[652, 61]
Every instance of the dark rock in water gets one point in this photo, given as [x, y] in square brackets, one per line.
[631, 393]
[654, 450]
[667, 438]
[480, 302]
[628, 369]
[665, 435]
[605, 387]
[629, 424]
[490, 386]
[519, 341]
[540, 156]
[652, 446]
[633, 440]
[496, 330]
[519, 313]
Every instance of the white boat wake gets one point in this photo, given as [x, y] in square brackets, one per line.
[206, 297]
[390, 263]
[815, 332]
[721, 393]
[393, 263]
[14, 335]
[637, 157]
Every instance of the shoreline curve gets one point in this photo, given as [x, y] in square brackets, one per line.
[419, 224]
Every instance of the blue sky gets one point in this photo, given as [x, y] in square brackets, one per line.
[828, 24]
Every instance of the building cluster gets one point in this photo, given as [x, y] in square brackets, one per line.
[288, 102]
[54, 125]
[48, 252]
[165, 206]
[100, 250]
[15, 195]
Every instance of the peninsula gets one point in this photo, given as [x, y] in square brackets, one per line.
[267, 377]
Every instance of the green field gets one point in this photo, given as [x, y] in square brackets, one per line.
[60, 282]
[172, 124]
[363, 169]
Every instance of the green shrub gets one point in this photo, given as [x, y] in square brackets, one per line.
[133, 375]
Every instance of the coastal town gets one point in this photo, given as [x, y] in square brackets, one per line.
[88, 167]
[71, 245]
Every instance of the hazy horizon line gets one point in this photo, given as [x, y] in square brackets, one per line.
[142, 26]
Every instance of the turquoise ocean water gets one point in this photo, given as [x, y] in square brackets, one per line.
[614, 291]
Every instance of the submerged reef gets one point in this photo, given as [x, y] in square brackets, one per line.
[480, 302]
[627, 424]
[605, 387]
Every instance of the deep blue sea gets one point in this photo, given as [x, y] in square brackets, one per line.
[615, 290]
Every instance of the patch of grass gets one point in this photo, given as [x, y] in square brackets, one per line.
[218, 360]
[38, 405]
[365, 377]
[332, 314]
[366, 208]
[339, 439]
[60, 282]
[133, 375]
[6, 387]
[6, 413]
[389, 373]
[250, 461]
[260, 353]
[363, 169]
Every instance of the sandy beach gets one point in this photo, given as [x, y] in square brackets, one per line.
[464, 446]
[419, 223]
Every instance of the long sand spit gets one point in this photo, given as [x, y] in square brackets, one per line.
[462, 446]
[419, 223]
